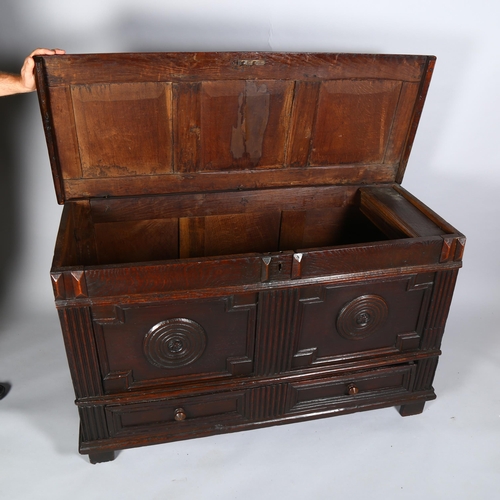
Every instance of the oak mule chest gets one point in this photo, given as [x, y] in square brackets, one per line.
[235, 249]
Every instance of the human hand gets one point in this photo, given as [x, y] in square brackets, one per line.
[27, 76]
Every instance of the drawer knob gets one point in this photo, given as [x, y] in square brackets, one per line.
[352, 389]
[180, 415]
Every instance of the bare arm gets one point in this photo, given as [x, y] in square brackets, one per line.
[25, 81]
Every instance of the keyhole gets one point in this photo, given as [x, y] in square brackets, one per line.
[279, 267]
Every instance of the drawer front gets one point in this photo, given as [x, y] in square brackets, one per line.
[351, 390]
[179, 417]
[175, 342]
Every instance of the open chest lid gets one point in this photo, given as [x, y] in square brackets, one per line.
[154, 123]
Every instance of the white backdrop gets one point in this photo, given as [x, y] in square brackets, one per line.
[454, 165]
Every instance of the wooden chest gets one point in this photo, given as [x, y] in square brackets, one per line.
[235, 249]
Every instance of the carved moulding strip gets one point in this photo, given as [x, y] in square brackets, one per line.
[239, 365]
[426, 368]
[109, 315]
[407, 341]
[310, 295]
[277, 325]
[118, 381]
[243, 365]
[419, 283]
[304, 357]
[439, 308]
[93, 423]
[76, 324]
[266, 402]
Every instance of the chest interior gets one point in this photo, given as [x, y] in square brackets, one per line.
[168, 156]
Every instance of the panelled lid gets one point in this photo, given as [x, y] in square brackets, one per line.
[134, 124]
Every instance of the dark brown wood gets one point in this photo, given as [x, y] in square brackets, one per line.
[411, 409]
[99, 457]
[395, 215]
[235, 250]
[185, 66]
[137, 124]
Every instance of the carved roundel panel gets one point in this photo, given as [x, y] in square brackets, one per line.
[362, 316]
[174, 343]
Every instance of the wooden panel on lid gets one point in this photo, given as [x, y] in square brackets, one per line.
[244, 123]
[149, 124]
[124, 129]
[353, 121]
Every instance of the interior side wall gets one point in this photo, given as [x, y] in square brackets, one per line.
[227, 223]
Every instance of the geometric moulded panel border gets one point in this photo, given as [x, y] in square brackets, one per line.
[362, 316]
[174, 343]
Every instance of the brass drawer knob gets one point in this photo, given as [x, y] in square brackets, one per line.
[352, 389]
[180, 415]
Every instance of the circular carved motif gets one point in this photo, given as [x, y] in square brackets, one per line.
[362, 316]
[175, 342]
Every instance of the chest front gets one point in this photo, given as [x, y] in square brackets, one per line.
[235, 249]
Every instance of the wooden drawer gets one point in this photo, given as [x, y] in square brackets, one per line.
[176, 416]
[352, 390]
[252, 406]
